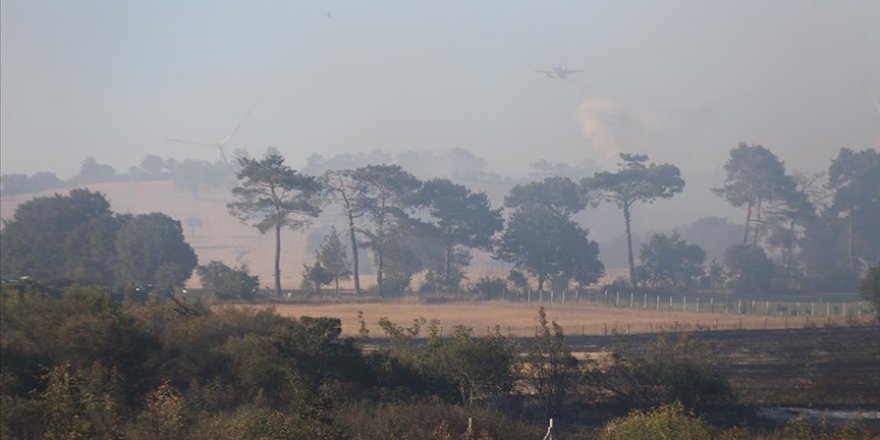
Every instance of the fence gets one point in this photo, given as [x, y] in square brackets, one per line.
[701, 304]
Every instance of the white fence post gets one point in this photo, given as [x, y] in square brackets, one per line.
[549, 435]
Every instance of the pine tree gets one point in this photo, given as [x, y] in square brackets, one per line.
[334, 258]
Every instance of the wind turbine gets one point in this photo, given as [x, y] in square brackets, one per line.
[219, 146]
[877, 106]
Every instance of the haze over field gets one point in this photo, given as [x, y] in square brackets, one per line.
[447, 89]
[682, 81]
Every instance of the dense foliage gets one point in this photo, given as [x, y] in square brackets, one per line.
[77, 238]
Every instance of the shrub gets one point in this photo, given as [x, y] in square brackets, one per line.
[489, 287]
[668, 421]
[667, 371]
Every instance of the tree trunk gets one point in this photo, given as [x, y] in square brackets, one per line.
[380, 271]
[541, 288]
[337, 286]
[446, 264]
[748, 219]
[849, 242]
[789, 248]
[354, 254]
[629, 248]
[278, 259]
[757, 228]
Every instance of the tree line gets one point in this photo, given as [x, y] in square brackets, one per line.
[186, 175]
[798, 235]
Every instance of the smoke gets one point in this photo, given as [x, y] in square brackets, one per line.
[612, 127]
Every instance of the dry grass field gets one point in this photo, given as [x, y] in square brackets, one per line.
[520, 319]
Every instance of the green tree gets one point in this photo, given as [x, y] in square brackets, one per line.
[151, 250]
[553, 369]
[482, 368]
[11, 184]
[91, 171]
[869, 287]
[227, 282]
[786, 222]
[407, 249]
[385, 194]
[558, 194]
[152, 167]
[854, 178]
[460, 218]
[316, 275]
[164, 417]
[333, 257]
[32, 243]
[90, 252]
[755, 179]
[549, 244]
[519, 280]
[635, 181]
[824, 253]
[669, 261]
[713, 234]
[76, 407]
[341, 187]
[749, 268]
[273, 196]
[713, 277]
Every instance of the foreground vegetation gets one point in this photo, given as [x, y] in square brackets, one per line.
[94, 363]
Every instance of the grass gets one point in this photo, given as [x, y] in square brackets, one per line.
[520, 319]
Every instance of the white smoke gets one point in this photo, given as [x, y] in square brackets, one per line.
[612, 127]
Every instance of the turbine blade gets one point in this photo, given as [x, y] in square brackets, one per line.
[235, 129]
[183, 141]
[873, 99]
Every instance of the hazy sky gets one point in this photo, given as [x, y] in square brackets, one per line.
[683, 81]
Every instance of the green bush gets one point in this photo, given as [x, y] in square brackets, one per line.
[665, 422]
[668, 371]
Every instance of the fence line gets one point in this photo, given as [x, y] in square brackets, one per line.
[849, 309]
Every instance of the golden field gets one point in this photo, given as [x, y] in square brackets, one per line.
[520, 319]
